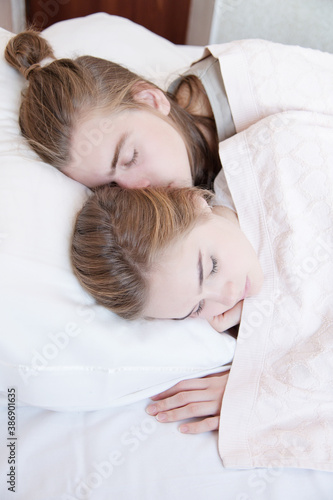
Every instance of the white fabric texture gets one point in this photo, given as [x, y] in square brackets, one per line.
[123, 454]
[58, 348]
[278, 406]
[262, 78]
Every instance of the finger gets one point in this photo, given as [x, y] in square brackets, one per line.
[208, 424]
[222, 375]
[228, 319]
[184, 385]
[213, 391]
[192, 410]
[179, 400]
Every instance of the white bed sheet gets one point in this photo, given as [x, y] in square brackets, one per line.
[123, 454]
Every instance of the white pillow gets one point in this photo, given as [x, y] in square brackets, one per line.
[122, 41]
[59, 349]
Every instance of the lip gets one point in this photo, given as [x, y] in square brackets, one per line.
[246, 288]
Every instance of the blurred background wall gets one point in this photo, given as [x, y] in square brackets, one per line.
[167, 18]
[196, 22]
[12, 15]
[308, 23]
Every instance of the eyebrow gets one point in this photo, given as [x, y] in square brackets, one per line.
[118, 150]
[200, 276]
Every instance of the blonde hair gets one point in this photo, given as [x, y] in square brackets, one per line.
[119, 235]
[58, 94]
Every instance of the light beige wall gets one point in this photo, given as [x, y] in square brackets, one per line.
[308, 23]
[293, 22]
[200, 22]
[6, 15]
[12, 15]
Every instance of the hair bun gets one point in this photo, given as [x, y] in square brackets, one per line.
[26, 50]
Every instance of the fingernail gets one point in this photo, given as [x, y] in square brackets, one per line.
[161, 417]
[151, 410]
[183, 428]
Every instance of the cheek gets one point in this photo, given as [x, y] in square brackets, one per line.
[213, 309]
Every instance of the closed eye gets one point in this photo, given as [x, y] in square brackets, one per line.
[133, 160]
[199, 310]
[202, 302]
[214, 268]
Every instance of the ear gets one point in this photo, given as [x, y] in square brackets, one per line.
[153, 97]
[225, 212]
[202, 203]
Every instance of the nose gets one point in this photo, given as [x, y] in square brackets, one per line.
[131, 182]
[142, 183]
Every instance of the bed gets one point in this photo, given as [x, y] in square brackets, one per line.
[75, 379]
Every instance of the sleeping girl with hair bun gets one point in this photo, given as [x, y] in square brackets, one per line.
[151, 137]
[146, 133]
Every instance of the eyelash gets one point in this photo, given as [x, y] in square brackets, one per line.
[133, 160]
[202, 303]
[214, 269]
[200, 308]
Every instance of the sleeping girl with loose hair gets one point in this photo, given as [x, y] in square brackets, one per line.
[158, 253]
[165, 253]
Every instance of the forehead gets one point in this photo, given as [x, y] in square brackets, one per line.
[94, 126]
[173, 275]
[90, 133]
[92, 144]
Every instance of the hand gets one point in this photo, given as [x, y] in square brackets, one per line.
[198, 397]
[230, 318]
